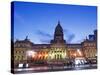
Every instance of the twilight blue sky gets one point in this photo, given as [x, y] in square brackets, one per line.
[38, 21]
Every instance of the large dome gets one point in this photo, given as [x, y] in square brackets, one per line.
[58, 30]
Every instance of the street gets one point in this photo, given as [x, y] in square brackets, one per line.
[54, 68]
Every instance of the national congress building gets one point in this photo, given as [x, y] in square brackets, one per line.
[58, 51]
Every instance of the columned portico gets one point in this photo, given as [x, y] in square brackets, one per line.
[57, 54]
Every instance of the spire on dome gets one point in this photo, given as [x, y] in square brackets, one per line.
[58, 22]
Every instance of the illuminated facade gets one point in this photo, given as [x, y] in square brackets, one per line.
[20, 49]
[57, 51]
[90, 46]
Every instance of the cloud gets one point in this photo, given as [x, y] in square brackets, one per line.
[69, 36]
[44, 34]
[44, 37]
